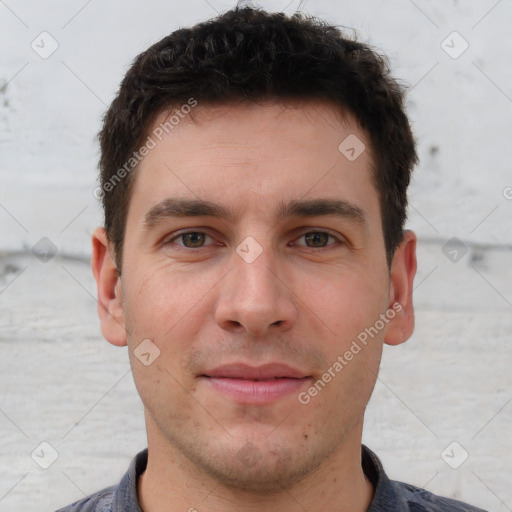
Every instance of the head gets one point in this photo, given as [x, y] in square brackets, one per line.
[241, 235]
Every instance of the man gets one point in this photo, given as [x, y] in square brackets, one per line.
[254, 171]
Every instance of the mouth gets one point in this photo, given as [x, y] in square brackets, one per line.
[257, 385]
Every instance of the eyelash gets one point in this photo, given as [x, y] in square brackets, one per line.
[184, 233]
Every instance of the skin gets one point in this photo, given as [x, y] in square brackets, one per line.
[299, 302]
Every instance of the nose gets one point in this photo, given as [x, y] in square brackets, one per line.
[255, 297]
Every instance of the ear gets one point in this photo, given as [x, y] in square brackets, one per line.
[403, 270]
[110, 303]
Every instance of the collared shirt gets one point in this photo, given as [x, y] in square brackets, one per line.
[389, 496]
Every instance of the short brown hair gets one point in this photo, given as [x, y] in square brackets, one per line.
[250, 54]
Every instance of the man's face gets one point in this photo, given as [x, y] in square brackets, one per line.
[250, 310]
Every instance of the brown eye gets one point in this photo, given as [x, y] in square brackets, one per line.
[189, 239]
[316, 239]
[193, 240]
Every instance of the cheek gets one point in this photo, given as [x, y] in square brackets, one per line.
[344, 304]
[162, 308]
[157, 298]
[170, 308]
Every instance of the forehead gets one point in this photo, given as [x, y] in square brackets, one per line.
[253, 118]
[257, 154]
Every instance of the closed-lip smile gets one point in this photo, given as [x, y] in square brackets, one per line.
[258, 385]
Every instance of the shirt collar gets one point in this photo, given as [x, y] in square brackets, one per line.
[125, 497]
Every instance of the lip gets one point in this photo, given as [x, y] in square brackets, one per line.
[265, 371]
[256, 384]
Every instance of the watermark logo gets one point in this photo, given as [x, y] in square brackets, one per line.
[249, 250]
[44, 455]
[147, 352]
[352, 147]
[454, 455]
[454, 45]
[44, 250]
[249, 455]
[454, 249]
[44, 45]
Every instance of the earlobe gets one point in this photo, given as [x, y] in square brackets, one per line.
[403, 270]
[110, 305]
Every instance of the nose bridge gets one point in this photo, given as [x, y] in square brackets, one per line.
[254, 296]
[257, 278]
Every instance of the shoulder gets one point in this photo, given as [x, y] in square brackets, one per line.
[421, 500]
[100, 501]
[121, 497]
[394, 496]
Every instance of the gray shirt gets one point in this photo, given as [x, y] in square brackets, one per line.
[390, 496]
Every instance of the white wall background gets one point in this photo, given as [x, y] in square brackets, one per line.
[60, 383]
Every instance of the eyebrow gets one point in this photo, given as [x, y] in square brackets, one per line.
[179, 207]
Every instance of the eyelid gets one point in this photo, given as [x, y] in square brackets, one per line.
[298, 234]
[178, 234]
[304, 231]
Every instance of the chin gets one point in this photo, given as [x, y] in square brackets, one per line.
[260, 470]
[259, 479]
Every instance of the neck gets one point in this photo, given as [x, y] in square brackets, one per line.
[172, 483]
